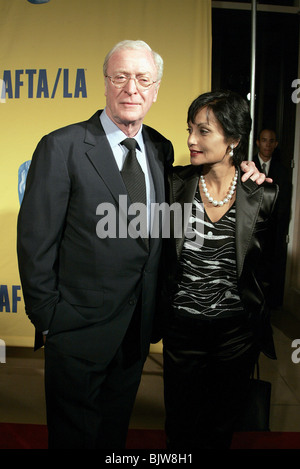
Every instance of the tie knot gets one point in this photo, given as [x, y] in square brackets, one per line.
[130, 143]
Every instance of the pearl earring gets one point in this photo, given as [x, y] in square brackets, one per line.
[231, 151]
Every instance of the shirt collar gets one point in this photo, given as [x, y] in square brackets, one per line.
[267, 163]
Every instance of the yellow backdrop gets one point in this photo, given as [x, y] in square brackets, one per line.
[51, 75]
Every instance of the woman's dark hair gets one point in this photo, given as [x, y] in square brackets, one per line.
[232, 113]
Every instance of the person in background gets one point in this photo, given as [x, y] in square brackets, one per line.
[215, 321]
[266, 144]
[268, 162]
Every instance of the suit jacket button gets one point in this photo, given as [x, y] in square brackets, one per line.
[132, 301]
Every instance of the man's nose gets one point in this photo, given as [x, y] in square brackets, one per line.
[130, 86]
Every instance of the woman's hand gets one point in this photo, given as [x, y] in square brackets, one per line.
[251, 171]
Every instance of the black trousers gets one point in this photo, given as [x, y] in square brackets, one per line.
[89, 404]
[207, 367]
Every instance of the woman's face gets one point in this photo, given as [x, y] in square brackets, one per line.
[206, 140]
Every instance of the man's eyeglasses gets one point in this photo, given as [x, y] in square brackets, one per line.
[120, 80]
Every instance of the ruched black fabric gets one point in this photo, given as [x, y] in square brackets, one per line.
[208, 363]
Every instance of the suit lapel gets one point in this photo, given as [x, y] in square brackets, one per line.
[248, 202]
[102, 158]
[156, 167]
[183, 187]
[157, 174]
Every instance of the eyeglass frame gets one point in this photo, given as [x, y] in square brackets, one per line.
[137, 84]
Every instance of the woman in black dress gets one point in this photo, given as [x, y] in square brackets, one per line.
[215, 316]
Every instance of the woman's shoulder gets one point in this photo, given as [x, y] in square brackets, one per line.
[185, 171]
[269, 192]
[269, 188]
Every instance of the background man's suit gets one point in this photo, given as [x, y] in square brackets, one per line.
[82, 289]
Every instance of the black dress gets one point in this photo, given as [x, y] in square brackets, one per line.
[209, 345]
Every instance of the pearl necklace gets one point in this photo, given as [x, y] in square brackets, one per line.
[229, 195]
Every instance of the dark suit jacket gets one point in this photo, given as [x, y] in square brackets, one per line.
[254, 209]
[81, 288]
[279, 173]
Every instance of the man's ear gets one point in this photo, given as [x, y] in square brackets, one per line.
[157, 85]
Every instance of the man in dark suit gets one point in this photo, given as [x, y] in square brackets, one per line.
[268, 162]
[89, 286]
[90, 293]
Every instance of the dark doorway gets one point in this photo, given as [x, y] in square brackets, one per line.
[277, 47]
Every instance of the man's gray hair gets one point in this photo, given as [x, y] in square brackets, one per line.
[139, 45]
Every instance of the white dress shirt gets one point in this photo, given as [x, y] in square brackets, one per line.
[267, 163]
[115, 136]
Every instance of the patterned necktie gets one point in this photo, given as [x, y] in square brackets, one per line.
[263, 167]
[132, 174]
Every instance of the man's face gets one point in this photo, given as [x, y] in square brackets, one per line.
[128, 105]
[266, 144]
